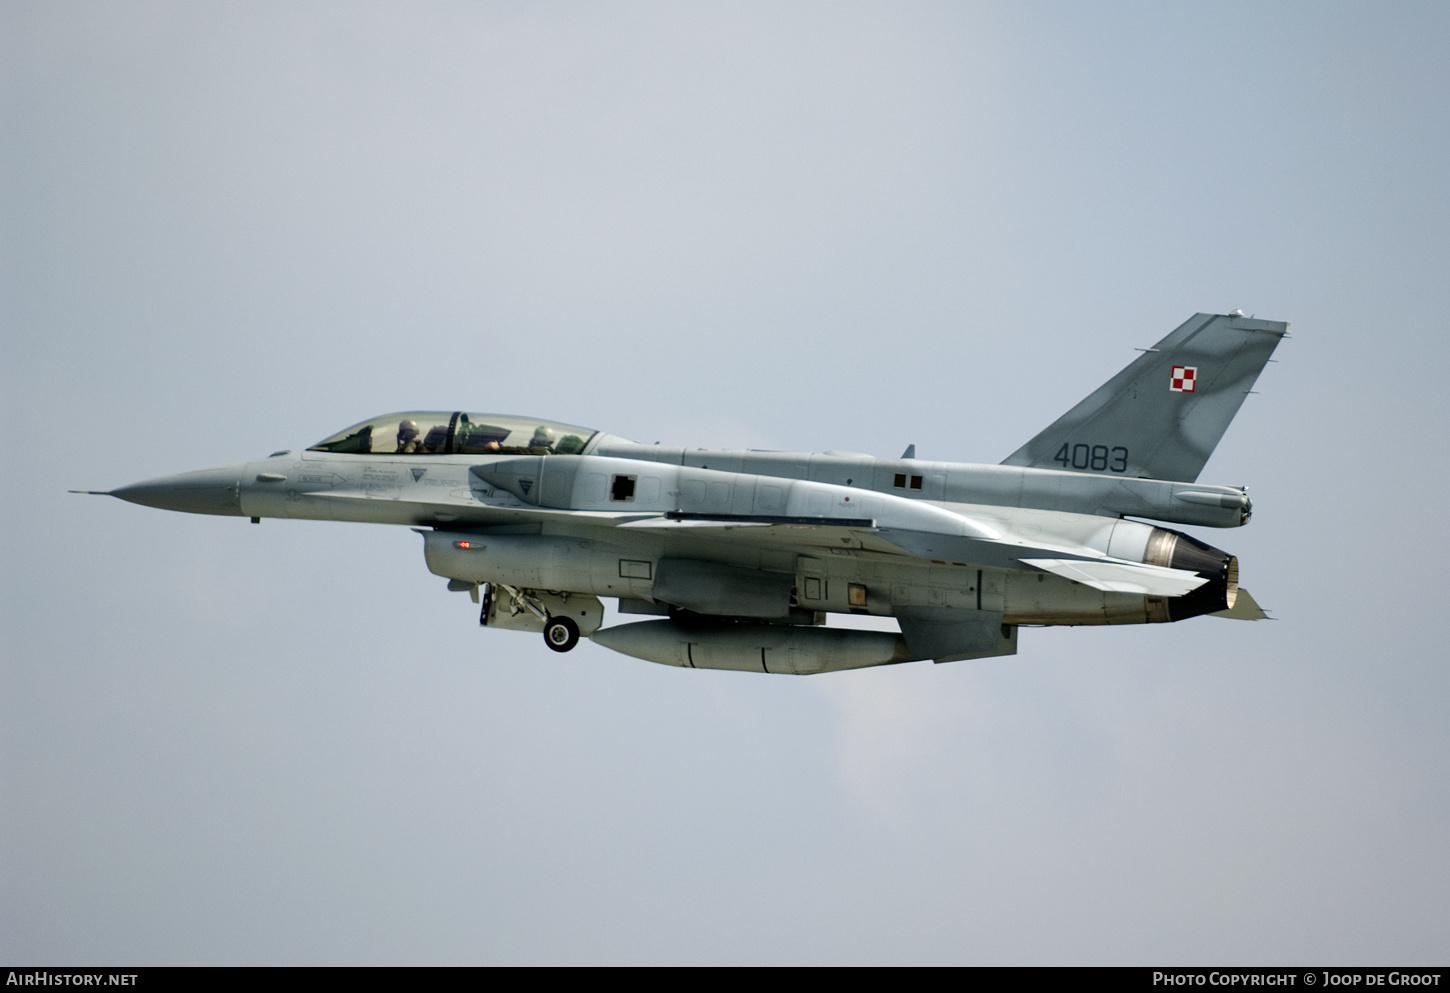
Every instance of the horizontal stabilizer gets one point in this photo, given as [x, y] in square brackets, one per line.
[1244, 609]
[1123, 577]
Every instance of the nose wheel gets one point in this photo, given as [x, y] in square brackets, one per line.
[561, 634]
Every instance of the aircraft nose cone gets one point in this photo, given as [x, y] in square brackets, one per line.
[205, 491]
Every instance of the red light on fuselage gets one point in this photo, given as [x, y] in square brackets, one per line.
[463, 544]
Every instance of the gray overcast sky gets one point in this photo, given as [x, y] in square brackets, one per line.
[231, 228]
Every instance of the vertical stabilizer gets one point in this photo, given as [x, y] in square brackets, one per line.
[1162, 416]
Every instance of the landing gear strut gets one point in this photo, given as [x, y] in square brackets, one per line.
[561, 633]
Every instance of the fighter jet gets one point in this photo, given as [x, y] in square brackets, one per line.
[740, 556]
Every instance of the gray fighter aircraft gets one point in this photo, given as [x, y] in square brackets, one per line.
[743, 554]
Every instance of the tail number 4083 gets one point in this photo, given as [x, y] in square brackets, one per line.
[1097, 458]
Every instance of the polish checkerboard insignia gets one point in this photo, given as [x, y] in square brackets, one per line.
[1185, 379]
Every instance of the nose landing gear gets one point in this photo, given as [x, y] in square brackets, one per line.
[561, 633]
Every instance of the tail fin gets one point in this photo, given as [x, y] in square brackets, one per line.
[1162, 416]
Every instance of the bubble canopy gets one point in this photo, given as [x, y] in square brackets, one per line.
[444, 432]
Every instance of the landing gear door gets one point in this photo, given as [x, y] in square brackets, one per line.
[518, 610]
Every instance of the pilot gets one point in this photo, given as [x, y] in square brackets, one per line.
[408, 436]
[542, 438]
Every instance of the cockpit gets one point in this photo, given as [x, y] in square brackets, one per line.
[432, 432]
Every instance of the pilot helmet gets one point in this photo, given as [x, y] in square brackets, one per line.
[407, 431]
